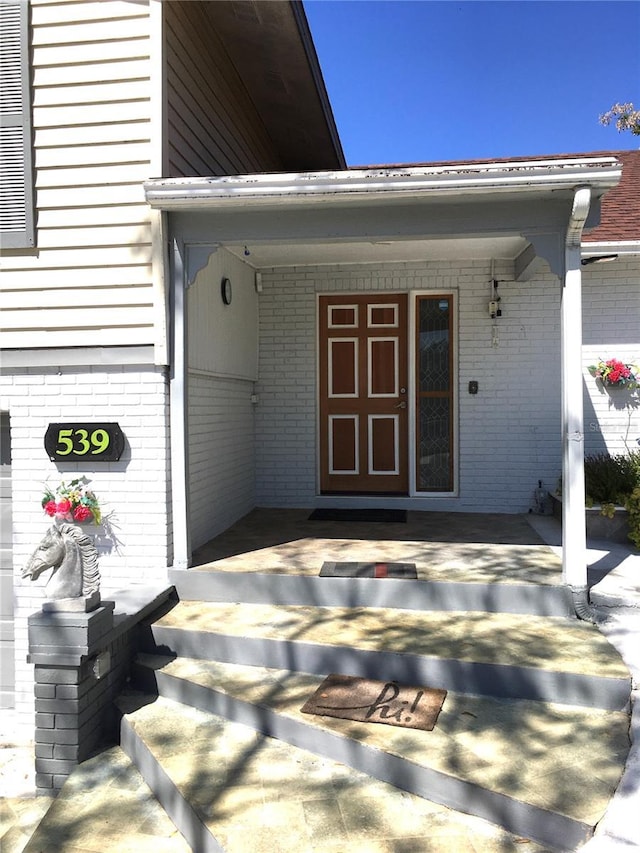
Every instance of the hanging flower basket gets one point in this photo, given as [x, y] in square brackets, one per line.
[73, 502]
[616, 374]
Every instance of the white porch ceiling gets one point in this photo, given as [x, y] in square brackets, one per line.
[274, 254]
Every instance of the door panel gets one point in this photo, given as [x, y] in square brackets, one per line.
[383, 367]
[363, 394]
[343, 444]
[343, 367]
[383, 444]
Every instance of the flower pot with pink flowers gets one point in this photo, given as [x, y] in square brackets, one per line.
[614, 373]
[74, 502]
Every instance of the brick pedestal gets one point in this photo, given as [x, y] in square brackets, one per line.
[74, 670]
[82, 662]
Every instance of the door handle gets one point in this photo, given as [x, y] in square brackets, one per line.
[401, 405]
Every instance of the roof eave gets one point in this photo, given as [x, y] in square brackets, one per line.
[609, 247]
[270, 46]
[373, 185]
[316, 72]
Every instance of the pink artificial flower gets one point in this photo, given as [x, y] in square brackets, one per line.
[614, 376]
[82, 513]
[617, 367]
[50, 508]
[63, 507]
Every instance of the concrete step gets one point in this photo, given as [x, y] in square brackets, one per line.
[106, 805]
[502, 655]
[278, 587]
[539, 770]
[19, 817]
[230, 788]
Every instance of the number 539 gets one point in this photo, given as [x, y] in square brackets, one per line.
[81, 442]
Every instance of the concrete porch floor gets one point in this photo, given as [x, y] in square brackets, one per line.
[456, 547]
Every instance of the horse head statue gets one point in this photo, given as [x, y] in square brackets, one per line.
[73, 558]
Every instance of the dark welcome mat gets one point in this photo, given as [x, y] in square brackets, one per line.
[368, 701]
[376, 515]
[368, 570]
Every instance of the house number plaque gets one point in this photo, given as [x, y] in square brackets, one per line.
[77, 442]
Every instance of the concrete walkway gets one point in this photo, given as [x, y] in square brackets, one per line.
[615, 572]
[615, 578]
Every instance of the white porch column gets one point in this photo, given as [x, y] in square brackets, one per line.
[574, 546]
[178, 414]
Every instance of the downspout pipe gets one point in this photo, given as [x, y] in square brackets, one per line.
[574, 543]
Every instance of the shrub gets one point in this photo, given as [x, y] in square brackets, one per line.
[613, 480]
[610, 479]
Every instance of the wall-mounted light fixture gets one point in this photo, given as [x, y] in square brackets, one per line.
[495, 309]
[225, 291]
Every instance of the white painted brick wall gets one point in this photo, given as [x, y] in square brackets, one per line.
[133, 492]
[285, 415]
[509, 433]
[611, 329]
[221, 454]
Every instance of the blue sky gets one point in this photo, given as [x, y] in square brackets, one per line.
[425, 80]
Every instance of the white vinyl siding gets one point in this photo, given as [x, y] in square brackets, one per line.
[16, 185]
[213, 127]
[91, 282]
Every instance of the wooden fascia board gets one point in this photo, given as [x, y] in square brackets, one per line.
[347, 187]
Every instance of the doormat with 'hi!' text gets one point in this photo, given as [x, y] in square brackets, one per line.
[368, 701]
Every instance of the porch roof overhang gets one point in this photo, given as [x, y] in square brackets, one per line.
[388, 214]
[537, 177]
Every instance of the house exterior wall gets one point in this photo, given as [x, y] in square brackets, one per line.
[135, 542]
[223, 364]
[90, 282]
[611, 329]
[91, 290]
[509, 433]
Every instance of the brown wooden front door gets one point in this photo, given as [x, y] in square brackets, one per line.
[363, 394]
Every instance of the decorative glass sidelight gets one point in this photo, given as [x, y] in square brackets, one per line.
[434, 407]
